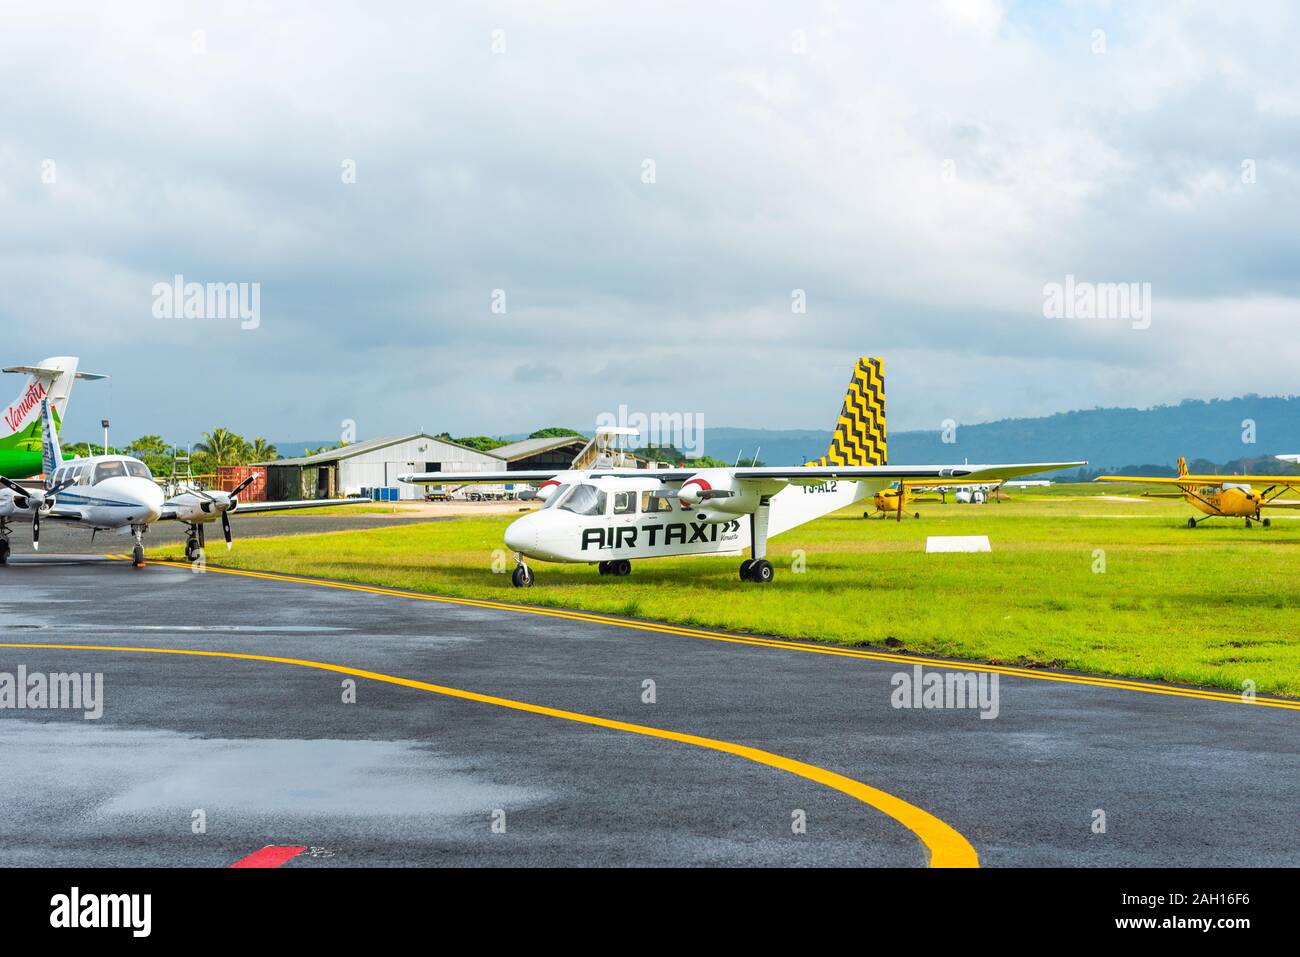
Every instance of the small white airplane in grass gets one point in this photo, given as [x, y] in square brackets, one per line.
[117, 493]
[610, 517]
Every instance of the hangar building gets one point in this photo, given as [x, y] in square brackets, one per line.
[375, 463]
[541, 454]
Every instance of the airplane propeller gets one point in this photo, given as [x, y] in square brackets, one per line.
[36, 499]
[230, 502]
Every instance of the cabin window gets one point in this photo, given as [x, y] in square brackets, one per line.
[625, 503]
[585, 500]
[108, 470]
[138, 470]
[652, 502]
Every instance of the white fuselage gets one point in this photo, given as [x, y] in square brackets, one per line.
[108, 492]
[608, 518]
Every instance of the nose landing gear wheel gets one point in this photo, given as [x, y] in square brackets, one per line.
[192, 550]
[522, 577]
[1267, 522]
[137, 556]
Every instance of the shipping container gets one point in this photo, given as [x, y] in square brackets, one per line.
[228, 476]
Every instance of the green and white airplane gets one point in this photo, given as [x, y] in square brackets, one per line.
[20, 422]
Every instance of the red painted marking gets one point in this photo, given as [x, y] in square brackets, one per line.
[273, 855]
[702, 483]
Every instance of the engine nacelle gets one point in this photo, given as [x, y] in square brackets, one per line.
[714, 495]
[547, 488]
[193, 508]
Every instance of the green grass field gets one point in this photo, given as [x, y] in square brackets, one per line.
[1212, 606]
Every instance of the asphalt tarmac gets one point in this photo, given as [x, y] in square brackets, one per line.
[201, 760]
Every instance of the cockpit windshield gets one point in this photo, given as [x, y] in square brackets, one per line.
[554, 498]
[120, 468]
[585, 500]
[113, 468]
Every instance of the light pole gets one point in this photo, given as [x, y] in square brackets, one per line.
[104, 423]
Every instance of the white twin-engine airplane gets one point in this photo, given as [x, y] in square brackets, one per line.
[114, 492]
[611, 517]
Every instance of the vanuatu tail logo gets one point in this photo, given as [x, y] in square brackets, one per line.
[859, 437]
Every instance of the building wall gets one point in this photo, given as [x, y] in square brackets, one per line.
[381, 467]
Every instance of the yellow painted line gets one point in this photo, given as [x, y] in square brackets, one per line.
[1120, 684]
[945, 845]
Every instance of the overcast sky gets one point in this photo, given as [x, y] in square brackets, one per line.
[918, 171]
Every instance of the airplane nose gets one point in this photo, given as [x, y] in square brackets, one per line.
[150, 497]
[521, 534]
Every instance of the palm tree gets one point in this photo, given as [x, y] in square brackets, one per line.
[263, 451]
[224, 446]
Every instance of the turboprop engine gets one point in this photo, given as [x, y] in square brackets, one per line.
[715, 495]
[194, 506]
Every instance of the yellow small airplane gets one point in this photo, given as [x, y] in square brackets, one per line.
[1222, 496]
[895, 498]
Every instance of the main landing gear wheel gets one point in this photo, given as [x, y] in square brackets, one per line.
[4, 552]
[1267, 522]
[1249, 523]
[522, 577]
[137, 556]
[760, 571]
[1191, 523]
[748, 563]
[620, 567]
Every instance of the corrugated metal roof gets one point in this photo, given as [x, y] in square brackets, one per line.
[527, 447]
[358, 448]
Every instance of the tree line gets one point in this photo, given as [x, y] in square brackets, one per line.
[219, 447]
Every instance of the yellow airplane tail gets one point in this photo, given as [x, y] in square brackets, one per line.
[859, 437]
[1182, 465]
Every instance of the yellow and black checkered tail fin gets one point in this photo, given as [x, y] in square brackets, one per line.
[859, 437]
[1182, 465]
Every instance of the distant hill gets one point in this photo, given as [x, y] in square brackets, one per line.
[1109, 439]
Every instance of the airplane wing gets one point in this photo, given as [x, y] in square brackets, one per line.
[966, 473]
[1287, 481]
[801, 474]
[246, 508]
[170, 512]
[490, 478]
